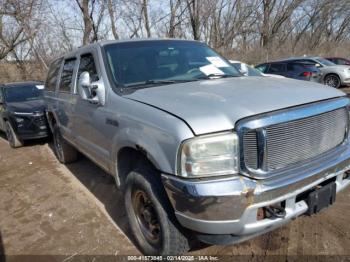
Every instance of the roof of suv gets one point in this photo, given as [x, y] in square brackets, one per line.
[106, 42]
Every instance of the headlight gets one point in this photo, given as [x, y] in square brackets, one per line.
[212, 155]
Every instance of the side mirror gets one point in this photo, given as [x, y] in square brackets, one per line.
[318, 65]
[94, 92]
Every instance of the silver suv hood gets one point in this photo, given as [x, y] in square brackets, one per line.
[216, 105]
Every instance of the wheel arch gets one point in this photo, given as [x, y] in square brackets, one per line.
[331, 73]
[130, 157]
[153, 146]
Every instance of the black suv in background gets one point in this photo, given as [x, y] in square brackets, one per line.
[290, 69]
[22, 112]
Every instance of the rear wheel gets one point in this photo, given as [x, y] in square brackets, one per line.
[332, 80]
[64, 151]
[12, 138]
[151, 217]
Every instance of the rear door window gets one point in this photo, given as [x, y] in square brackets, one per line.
[277, 68]
[52, 76]
[294, 67]
[67, 75]
[340, 61]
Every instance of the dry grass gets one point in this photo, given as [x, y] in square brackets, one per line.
[12, 72]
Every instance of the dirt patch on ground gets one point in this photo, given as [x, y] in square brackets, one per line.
[50, 209]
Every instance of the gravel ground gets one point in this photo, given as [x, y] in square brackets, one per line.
[50, 209]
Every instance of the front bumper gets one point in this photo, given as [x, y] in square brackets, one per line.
[229, 206]
[346, 81]
[32, 127]
[33, 135]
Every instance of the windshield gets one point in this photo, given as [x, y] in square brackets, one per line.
[325, 62]
[164, 62]
[23, 93]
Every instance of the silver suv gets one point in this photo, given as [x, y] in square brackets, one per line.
[200, 151]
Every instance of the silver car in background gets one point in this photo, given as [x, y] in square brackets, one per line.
[333, 75]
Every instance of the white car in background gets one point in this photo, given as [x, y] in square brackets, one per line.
[247, 70]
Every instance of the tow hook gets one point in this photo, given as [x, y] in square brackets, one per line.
[275, 211]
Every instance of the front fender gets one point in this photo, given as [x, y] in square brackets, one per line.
[149, 145]
[152, 131]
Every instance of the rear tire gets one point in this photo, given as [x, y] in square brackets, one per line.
[332, 80]
[151, 217]
[12, 138]
[64, 151]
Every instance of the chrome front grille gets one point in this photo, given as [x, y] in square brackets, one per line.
[276, 146]
[303, 139]
[250, 142]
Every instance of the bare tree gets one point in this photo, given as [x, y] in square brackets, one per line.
[111, 12]
[145, 17]
[15, 15]
[193, 8]
[91, 24]
[32, 31]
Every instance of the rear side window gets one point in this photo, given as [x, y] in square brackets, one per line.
[295, 67]
[340, 61]
[87, 64]
[52, 76]
[276, 68]
[67, 75]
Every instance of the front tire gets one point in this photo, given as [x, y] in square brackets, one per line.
[64, 151]
[12, 138]
[332, 80]
[151, 217]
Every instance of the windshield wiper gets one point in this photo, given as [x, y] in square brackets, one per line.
[210, 76]
[150, 83]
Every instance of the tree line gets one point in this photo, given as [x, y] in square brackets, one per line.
[36, 31]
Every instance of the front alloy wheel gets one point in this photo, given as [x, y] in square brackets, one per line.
[332, 80]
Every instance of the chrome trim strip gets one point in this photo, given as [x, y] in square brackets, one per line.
[262, 148]
[259, 122]
[290, 114]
